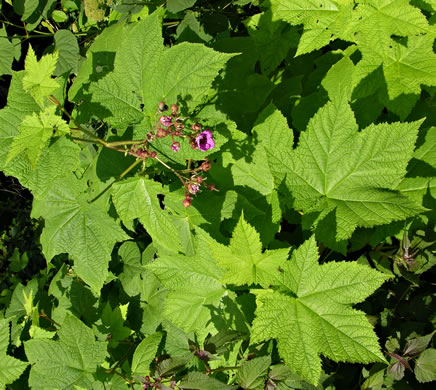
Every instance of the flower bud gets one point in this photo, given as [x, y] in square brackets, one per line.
[161, 133]
[206, 166]
[162, 107]
[174, 108]
[196, 127]
[153, 154]
[177, 133]
[199, 179]
[212, 187]
[187, 201]
[175, 146]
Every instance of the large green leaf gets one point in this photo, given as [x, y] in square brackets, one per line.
[312, 314]
[405, 68]
[336, 169]
[79, 228]
[137, 198]
[68, 362]
[194, 284]
[146, 73]
[244, 261]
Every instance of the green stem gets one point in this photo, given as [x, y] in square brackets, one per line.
[118, 179]
[53, 100]
[120, 143]
[224, 369]
[171, 169]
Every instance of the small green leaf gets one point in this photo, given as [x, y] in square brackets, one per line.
[199, 381]
[35, 131]
[425, 366]
[144, 354]
[252, 374]
[7, 51]
[113, 323]
[175, 6]
[10, 369]
[68, 51]
[37, 76]
[417, 345]
[59, 16]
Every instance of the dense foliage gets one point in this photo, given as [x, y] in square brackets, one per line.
[217, 195]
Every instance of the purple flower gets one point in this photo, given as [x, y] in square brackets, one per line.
[175, 146]
[205, 141]
[166, 120]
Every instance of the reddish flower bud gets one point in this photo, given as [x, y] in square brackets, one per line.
[153, 154]
[177, 133]
[212, 187]
[187, 201]
[161, 133]
[196, 127]
[199, 179]
[206, 166]
[162, 107]
[174, 108]
[193, 145]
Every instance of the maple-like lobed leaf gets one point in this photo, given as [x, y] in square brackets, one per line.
[37, 75]
[74, 226]
[67, 362]
[34, 132]
[353, 174]
[137, 198]
[244, 261]
[194, 285]
[130, 95]
[20, 105]
[311, 314]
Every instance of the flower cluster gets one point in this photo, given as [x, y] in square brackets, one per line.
[170, 124]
